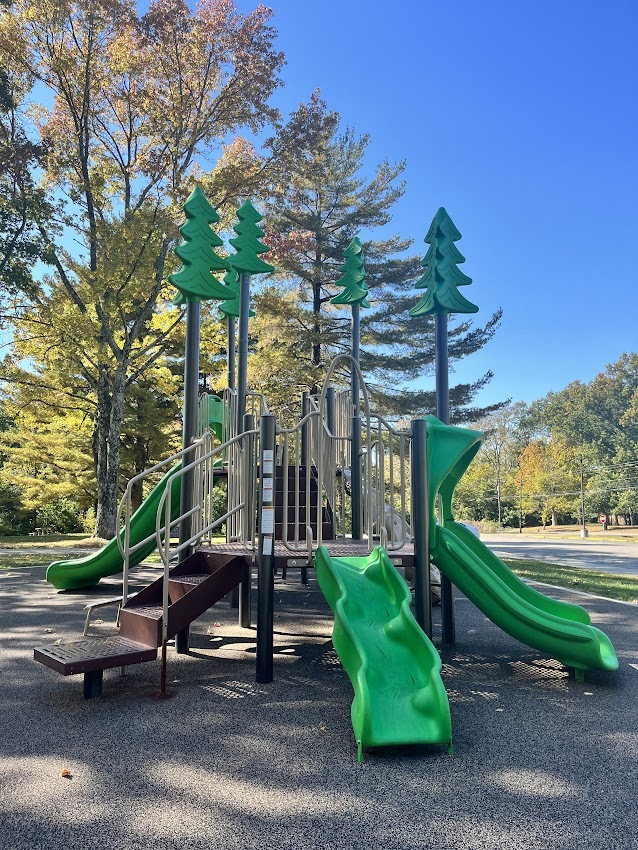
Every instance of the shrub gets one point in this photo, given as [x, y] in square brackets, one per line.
[62, 516]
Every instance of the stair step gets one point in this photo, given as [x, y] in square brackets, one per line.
[94, 653]
[192, 579]
[142, 623]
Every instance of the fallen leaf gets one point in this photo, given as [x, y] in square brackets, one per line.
[66, 774]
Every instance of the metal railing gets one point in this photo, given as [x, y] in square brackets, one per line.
[387, 498]
[125, 509]
[203, 523]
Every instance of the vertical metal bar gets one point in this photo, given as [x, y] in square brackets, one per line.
[265, 549]
[127, 545]
[356, 339]
[305, 409]
[419, 518]
[392, 507]
[242, 348]
[355, 476]
[249, 493]
[189, 433]
[231, 352]
[443, 414]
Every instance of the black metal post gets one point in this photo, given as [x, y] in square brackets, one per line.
[242, 348]
[355, 432]
[355, 477]
[420, 521]
[249, 478]
[443, 413]
[265, 548]
[232, 341]
[189, 433]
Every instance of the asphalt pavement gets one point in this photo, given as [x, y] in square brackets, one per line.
[612, 556]
[540, 760]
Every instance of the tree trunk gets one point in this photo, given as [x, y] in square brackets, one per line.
[554, 518]
[110, 411]
[140, 460]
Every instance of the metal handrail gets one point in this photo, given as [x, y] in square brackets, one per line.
[124, 545]
[163, 532]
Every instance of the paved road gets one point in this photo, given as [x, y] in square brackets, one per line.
[609, 557]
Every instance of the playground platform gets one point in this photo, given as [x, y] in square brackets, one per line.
[540, 760]
[285, 558]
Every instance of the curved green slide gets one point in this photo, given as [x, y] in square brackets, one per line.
[394, 669]
[84, 572]
[87, 571]
[561, 631]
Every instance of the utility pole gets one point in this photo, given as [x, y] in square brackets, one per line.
[583, 530]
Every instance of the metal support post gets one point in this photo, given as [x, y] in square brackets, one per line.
[443, 414]
[265, 548]
[232, 382]
[248, 475]
[189, 433]
[420, 520]
[242, 348]
[355, 478]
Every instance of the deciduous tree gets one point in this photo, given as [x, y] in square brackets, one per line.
[133, 102]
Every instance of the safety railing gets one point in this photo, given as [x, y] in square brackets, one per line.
[388, 498]
[293, 454]
[125, 509]
[202, 470]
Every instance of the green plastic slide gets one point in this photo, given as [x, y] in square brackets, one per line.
[560, 630]
[84, 572]
[394, 669]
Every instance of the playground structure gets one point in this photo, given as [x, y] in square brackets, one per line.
[339, 489]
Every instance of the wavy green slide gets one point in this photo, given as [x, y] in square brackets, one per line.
[84, 572]
[394, 669]
[556, 628]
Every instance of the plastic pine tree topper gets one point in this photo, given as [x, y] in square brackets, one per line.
[195, 280]
[442, 276]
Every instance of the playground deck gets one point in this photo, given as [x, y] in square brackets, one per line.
[286, 558]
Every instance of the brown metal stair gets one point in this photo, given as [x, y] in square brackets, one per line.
[194, 586]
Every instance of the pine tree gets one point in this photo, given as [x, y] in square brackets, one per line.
[353, 279]
[323, 198]
[247, 244]
[442, 276]
[195, 280]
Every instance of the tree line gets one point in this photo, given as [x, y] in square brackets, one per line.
[108, 119]
[574, 449]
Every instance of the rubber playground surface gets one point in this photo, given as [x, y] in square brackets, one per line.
[540, 760]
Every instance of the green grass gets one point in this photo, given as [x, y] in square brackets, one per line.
[11, 562]
[51, 541]
[624, 588]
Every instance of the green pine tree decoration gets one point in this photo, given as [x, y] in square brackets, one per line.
[195, 280]
[353, 278]
[442, 277]
[247, 244]
[230, 308]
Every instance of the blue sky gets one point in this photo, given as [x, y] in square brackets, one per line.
[520, 118]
